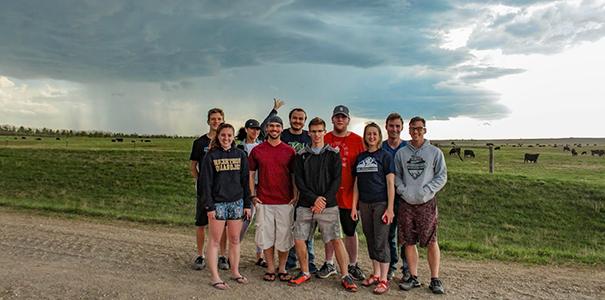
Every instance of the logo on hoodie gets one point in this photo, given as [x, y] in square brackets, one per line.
[416, 166]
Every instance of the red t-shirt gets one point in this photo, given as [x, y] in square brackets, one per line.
[274, 166]
[349, 147]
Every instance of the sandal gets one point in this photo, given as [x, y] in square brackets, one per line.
[269, 276]
[382, 287]
[261, 263]
[373, 279]
[240, 280]
[221, 285]
[284, 276]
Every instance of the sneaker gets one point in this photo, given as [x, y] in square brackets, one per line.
[356, 272]
[326, 271]
[312, 269]
[348, 284]
[223, 263]
[436, 286]
[300, 279]
[390, 275]
[410, 283]
[405, 276]
[199, 263]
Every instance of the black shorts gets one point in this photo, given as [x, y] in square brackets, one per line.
[201, 215]
[347, 224]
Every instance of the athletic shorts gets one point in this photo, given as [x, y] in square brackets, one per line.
[201, 215]
[327, 221]
[229, 210]
[348, 225]
[417, 224]
[275, 226]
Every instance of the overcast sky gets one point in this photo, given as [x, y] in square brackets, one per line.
[474, 69]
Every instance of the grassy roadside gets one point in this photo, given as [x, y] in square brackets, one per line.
[512, 216]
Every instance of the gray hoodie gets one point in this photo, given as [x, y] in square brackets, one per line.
[419, 173]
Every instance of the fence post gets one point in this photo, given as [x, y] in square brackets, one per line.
[491, 159]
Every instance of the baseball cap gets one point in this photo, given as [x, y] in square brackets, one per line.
[341, 110]
[275, 119]
[252, 124]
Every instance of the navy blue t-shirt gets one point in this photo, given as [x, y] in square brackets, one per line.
[371, 169]
[296, 141]
[387, 148]
[199, 149]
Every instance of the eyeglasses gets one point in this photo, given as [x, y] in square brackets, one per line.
[417, 128]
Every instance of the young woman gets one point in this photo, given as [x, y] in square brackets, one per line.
[247, 139]
[227, 200]
[373, 195]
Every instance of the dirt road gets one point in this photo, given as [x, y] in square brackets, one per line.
[54, 257]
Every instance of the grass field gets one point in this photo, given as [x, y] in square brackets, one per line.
[549, 212]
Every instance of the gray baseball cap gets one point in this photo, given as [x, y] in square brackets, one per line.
[341, 110]
[275, 119]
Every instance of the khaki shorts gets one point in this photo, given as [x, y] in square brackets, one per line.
[328, 222]
[275, 227]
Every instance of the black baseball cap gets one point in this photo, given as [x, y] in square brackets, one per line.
[252, 124]
[341, 110]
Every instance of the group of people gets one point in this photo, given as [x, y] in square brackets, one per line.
[293, 181]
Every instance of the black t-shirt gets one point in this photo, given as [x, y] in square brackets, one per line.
[199, 149]
[371, 170]
[296, 141]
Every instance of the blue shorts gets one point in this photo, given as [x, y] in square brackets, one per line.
[229, 210]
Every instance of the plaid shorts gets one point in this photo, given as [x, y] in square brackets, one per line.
[417, 224]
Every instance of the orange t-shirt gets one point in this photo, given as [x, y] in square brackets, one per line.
[349, 147]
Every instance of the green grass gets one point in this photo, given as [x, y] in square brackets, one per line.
[549, 212]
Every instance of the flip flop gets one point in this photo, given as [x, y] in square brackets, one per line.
[284, 276]
[217, 285]
[269, 276]
[240, 280]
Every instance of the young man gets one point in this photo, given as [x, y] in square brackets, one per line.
[274, 197]
[298, 139]
[317, 170]
[394, 126]
[420, 173]
[349, 146]
[215, 117]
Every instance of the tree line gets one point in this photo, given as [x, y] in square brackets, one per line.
[49, 132]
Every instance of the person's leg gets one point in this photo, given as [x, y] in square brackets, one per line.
[329, 252]
[200, 234]
[224, 244]
[270, 258]
[434, 258]
[341, 255]
[311, 255]
[411, 255]
[234, 228]
[393, 241]
[282, 256]
[216, 228]
[301, 252]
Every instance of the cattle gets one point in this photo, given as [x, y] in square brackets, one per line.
[147, 141]
[58, 139]
[566, 148]
[584, 153]
[456, 151]
[497, 148]
[119, 140]
[113, 140]
[23, 138]
[38, 139]
[530, 146]
[574, 152]
[469, 153]
[597, 152]
[531, 157]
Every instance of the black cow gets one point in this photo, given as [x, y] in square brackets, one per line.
[469, 153]
[497, 148]
[574, 152]
[58, 139]
[584, 153]
[531, 157]
[566, 148]
[147, 141]
[597, 152]
[456, 151]
[119, 140]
